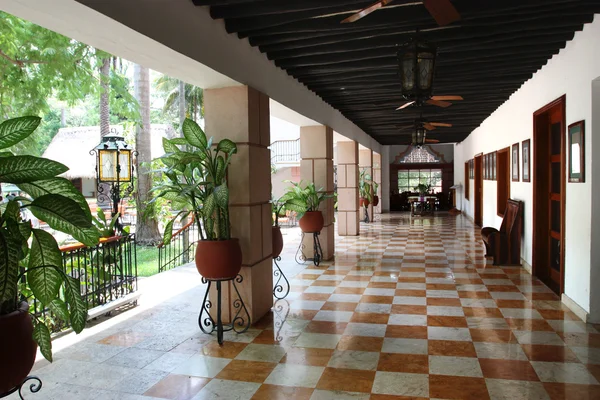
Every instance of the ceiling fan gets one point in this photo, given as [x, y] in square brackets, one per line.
[440, 101]
[442, 11]
[420, 128]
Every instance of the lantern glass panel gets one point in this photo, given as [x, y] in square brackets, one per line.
[107, 165]
[408, 78]
[425, 66]
[125, 166]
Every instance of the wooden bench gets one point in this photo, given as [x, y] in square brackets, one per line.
[504, 245]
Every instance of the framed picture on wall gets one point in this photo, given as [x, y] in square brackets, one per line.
[485, 170]
[577, 152]
[526, 150]
[515, 162]
[494, 166]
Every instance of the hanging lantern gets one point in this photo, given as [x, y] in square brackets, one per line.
[416, 62]
[418, 137]
[113, 160]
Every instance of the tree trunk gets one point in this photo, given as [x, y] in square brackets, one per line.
[146, 230]
[63, 117]
[104, 99]
[181, 104]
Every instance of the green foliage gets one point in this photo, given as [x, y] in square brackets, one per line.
[34, 253]
[366, 186]
[423, 188]
[197, 181]
[104, 225]
[302, 197]
[194, 99]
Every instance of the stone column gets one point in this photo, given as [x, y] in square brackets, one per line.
[347, 171]
[241, 113]
[316, 165]
[377, 179]
[365, 162]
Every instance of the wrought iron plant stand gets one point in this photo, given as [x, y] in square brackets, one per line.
[317, 250]
[239, 323]
[282, 285]
[34, 387]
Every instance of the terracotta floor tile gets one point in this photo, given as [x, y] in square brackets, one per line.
[303, 314]
[408, 309]
[377, 299]
[247, 371]
[441, 286]
[564, 391]
[558, 315]
[266, 337]
[360, 343]
[438, 274]
[409, 279]
[513, 304]
[392, 397]
[348, 290]
[314, 296]
[433, 301]
[508, 369]
[309, 277]
[540, 352]
[594, 370]
[307, 356]
[357, 278]
[338, 306]
[177, 387]
[350, 380]
[407, 332]
[228, 350]
[410, 363]
[410, 292]
[581, 339]
[482, 312]
[451, 348]
[474, 295]
[492, 335]
[457, 387]
[370, 318]
[326, 327]
[544, 296]
[382, 285]
[324, 283]
[503, 288]
[450, 322]
[529, 325]
[275, 392]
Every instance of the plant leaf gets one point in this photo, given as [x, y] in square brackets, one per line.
[169, 146]
[209, 205]
[179, 141]
[227, 146]
[168, 232]
[21, 169]
[65, 215]
[78, 310]
[9, 272]
[222, 196]
[43, 279]
[59, 308]
[14, 130]
[194, 134]
[41, 334]
[220, 175]
[57, 185]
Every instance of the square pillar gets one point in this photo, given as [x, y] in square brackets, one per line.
[377, 179]
[316, 165]
[347, 170]
[365, 163]
[241, 113]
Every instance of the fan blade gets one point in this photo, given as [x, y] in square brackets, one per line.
[442, 11]
[441, 124]
[428, 126]
[366, 11]
[438, 103]
[447, 98]
[404, 127]
[431, 141]
[403, 106]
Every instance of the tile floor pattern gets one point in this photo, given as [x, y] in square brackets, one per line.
[408, 310]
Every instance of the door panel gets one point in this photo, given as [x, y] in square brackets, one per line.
[479, 190]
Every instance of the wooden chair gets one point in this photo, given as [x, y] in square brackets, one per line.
[504, 245]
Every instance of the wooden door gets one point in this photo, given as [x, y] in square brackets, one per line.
[478, 190]
[549, 195]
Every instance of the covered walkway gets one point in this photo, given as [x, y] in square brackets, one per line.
[409, 308]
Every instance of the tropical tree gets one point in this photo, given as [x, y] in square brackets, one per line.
[146, 225]
[193, 96]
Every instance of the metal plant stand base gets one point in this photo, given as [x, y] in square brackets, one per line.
[317, 250]
[239, 322]
[367, 219]
[34, 387]
[281, 288]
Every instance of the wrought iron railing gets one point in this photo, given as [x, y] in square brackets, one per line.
[180, 250]
[107, 272]
[285, 151]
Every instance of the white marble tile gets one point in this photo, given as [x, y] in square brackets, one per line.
[444, 294]
[317, 340]
[409, 300]
[338, 395]
[364, 360]
[445, 311]
[563, 373]
[379, 292]
[374, 308]
[333, 316]
[295, 375]
[261, 352]
[321, 289]
[504, 351]
[456, 366]
[404, 346]
[408, 319]
[503, 389]
[202, 366]
[521, 313]
[538, 337]
[307, 305]
[487, 323]
[370, 330]
[443, 333]
[401, 384]
[225, 389]
[587, 355]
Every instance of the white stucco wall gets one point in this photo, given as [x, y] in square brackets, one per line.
[570, 72]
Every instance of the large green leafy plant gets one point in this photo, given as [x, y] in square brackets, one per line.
[31, 253]
[197, 181]
[302, 197]
[365, 186]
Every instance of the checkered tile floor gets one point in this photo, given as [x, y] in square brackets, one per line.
[408, 310]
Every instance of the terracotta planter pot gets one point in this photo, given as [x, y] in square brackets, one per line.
[312, 222]
[17, 347]
[364, 202]
[375, 201]
[219, 259]
[277, 241]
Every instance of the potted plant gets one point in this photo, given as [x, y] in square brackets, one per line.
[31, 263]
[105, 226]
[197, 184]
[277, 206]
[423, 189]
[305, 200]
[365, 189]
[375, 197]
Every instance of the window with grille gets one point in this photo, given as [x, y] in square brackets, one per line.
[410, 178]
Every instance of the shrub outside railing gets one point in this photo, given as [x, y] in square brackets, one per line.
[107, 271]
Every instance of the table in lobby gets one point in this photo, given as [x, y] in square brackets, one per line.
[416, 201]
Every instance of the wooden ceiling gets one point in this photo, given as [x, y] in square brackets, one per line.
[485, 57]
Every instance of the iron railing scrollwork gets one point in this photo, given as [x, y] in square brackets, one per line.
[180, 250]
[283, 151]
